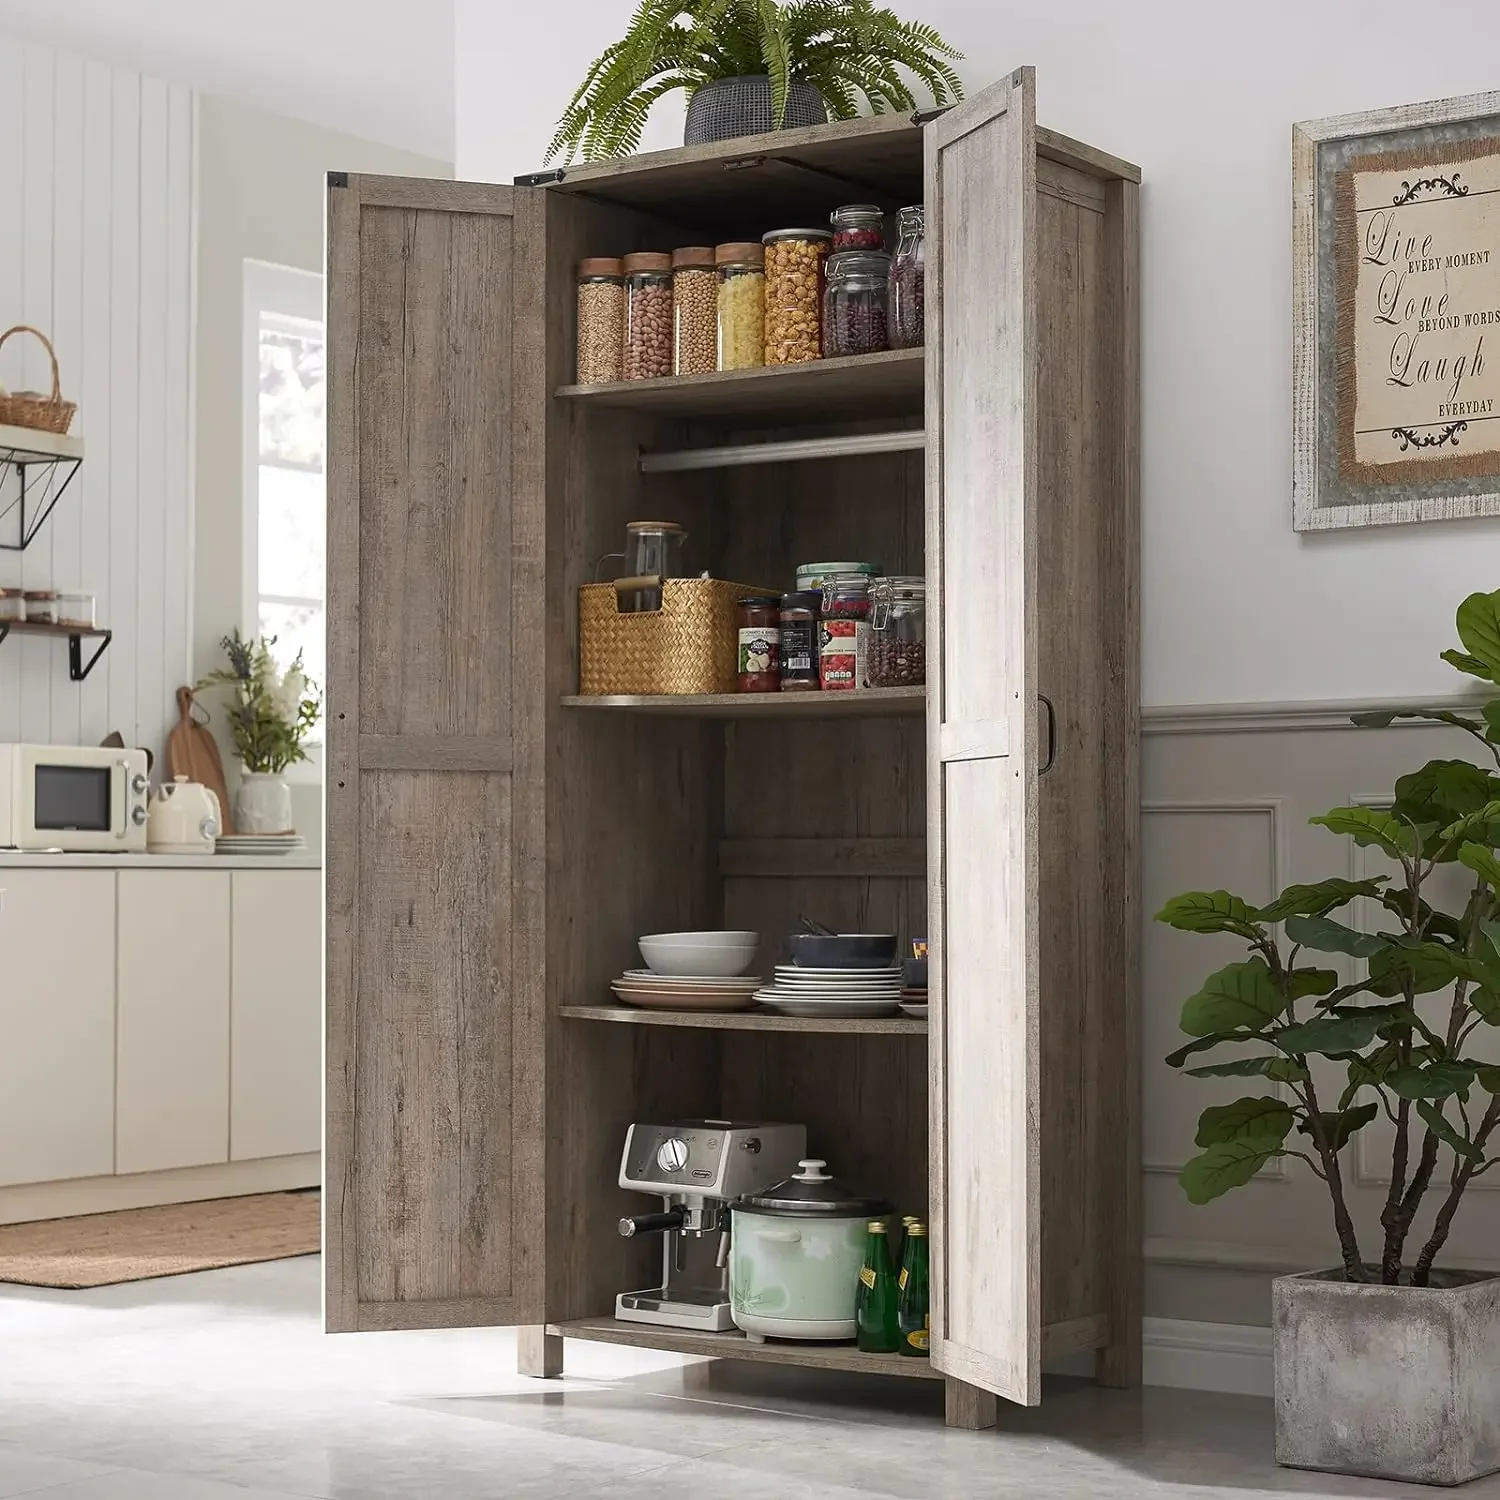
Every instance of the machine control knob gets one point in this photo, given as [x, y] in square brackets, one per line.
[752, 1145]
[672, 1155]
[138, 783]
[138, 815]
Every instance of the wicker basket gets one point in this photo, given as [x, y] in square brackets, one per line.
[26, 408]
[689, 645]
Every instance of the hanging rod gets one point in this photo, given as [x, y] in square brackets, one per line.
[735, 457]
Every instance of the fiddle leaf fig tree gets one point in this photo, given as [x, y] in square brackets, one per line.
[1342, 1051]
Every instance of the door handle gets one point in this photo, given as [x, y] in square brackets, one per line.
[1051, 734]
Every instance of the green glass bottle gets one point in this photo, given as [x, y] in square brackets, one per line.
[876, 1308]
[913, 1310]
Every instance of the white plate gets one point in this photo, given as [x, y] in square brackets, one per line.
[827, 1009]
[821, 986]
[681, 1000]
[708, 982]
[831, 997]
[913, 1009]
[840, 973]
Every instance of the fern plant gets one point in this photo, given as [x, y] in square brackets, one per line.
[848, 50]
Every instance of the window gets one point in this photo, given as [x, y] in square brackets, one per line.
[285, 506]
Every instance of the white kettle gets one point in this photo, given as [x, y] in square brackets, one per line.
[184, 819]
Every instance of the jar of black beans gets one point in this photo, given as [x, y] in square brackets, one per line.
[854, 305]
[898, 632]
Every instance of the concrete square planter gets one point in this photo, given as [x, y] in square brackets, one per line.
[1391, 1382]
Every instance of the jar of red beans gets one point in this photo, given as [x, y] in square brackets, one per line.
[858, 226]
[898, 632]
[854, 306]
[758, 621]
[844, 633]
[908, 277]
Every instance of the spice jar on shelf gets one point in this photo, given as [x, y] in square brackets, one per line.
[742, 305]
[76, 608]
[794, 294]
[41, 606]
[844, 633]
[858, 226]
[854, 305]
[898, 632]
[908, 279]
[12, 604]
[799, 642]
[695, 311]
[648, 315]
[758, 621]
[601, 321]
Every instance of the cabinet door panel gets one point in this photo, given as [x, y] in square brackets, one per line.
[172, 1109]
[57, 1014]
[982, 739]
[435, 847]
[276, 1008]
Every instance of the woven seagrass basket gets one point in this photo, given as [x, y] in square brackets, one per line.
[30, 408]
[689, 645]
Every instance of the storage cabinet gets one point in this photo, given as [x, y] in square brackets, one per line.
[496, 843]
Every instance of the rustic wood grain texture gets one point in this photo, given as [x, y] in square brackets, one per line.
[824, 858]
[870, 703]
[745, 1020]
[538, 1352]
[982, 881]
[435, 1045]
[970, 1408]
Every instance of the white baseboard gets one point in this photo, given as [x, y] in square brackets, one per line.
[1228, 1357]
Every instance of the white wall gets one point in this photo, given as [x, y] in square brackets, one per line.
[96, 179]
[1237, 607]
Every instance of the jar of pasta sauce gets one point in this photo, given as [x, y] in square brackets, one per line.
[799, 642]
[844, 633]
[758, 621]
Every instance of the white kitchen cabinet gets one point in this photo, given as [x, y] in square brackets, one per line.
[173, 1102]
[276, 1006]
[57, 1018]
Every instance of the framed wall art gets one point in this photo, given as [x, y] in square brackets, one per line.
[1396, 315]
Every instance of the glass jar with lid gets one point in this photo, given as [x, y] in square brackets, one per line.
[12, 604]
[695, 311]
[844, 633]
[858, 226]
[41, 606]
[898, 632]
[601, 320]
[758, 623]
[908, 279]
[794, 294]
[741, 269]
[799, 642]
[76, 608]
[854, 306]
[648, 315]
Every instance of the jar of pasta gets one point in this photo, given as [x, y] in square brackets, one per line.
[794, 294]
[742, 305]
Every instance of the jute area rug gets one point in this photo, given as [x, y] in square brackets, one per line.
[138, 1244]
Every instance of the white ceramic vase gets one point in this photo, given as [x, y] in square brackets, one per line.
[263, 804]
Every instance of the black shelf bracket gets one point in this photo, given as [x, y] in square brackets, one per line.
[78, 669]
[61, 470]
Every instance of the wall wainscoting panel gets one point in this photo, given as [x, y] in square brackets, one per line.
[1226, 804]
[96, 249]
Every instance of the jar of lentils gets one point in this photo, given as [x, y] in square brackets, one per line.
[742, 305]
[854, 316]
[794, 294]
[898, 632]
[601, 321]
[908, 279]
[695, 311]
[844, 633]
[648, 315]
[858, 226]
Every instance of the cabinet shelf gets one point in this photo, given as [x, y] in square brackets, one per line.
[76, 635]
[744, 1020]
[737, 1346]
[867, 703]
[823, 390]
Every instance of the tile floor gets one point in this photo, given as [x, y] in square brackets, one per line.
[222, 1387]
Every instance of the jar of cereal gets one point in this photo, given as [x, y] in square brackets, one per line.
[742, 305]
[794, 294]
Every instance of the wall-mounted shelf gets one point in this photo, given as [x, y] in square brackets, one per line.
[866, 703]
[76, 635]
[743, 1020]
[27, 450]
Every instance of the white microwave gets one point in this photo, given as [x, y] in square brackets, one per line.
[73, 797]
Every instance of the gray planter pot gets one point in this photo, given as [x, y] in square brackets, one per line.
[742, 106]
[1390, 1382]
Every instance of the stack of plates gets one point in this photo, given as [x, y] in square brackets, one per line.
[847, 993]
[260, 843]
[672, 992]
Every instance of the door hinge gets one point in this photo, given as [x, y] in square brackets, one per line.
[338, 179]
[926, 116]
[541, 179]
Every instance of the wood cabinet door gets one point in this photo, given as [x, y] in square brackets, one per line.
[983, 739]
[434, 1059]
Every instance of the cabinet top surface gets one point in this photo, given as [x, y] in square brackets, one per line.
[13, 859]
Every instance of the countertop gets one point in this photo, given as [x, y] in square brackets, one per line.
[11, 859]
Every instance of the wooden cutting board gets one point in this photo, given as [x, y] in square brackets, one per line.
[191, 752]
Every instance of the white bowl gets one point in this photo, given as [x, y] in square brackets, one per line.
[702, 960]
[703, 939]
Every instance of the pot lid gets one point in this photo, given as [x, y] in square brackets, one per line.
[810, 1190]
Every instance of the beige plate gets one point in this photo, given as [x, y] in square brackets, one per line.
[682, 1000]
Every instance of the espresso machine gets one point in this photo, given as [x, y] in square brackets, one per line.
[698, 1167]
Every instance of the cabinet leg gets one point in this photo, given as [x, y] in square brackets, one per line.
[969, 1406]
[1119, 1364]
[538, 1353]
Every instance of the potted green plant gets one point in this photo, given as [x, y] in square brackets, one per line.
[1386, 1365]
[270, 715]
[751, 66]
